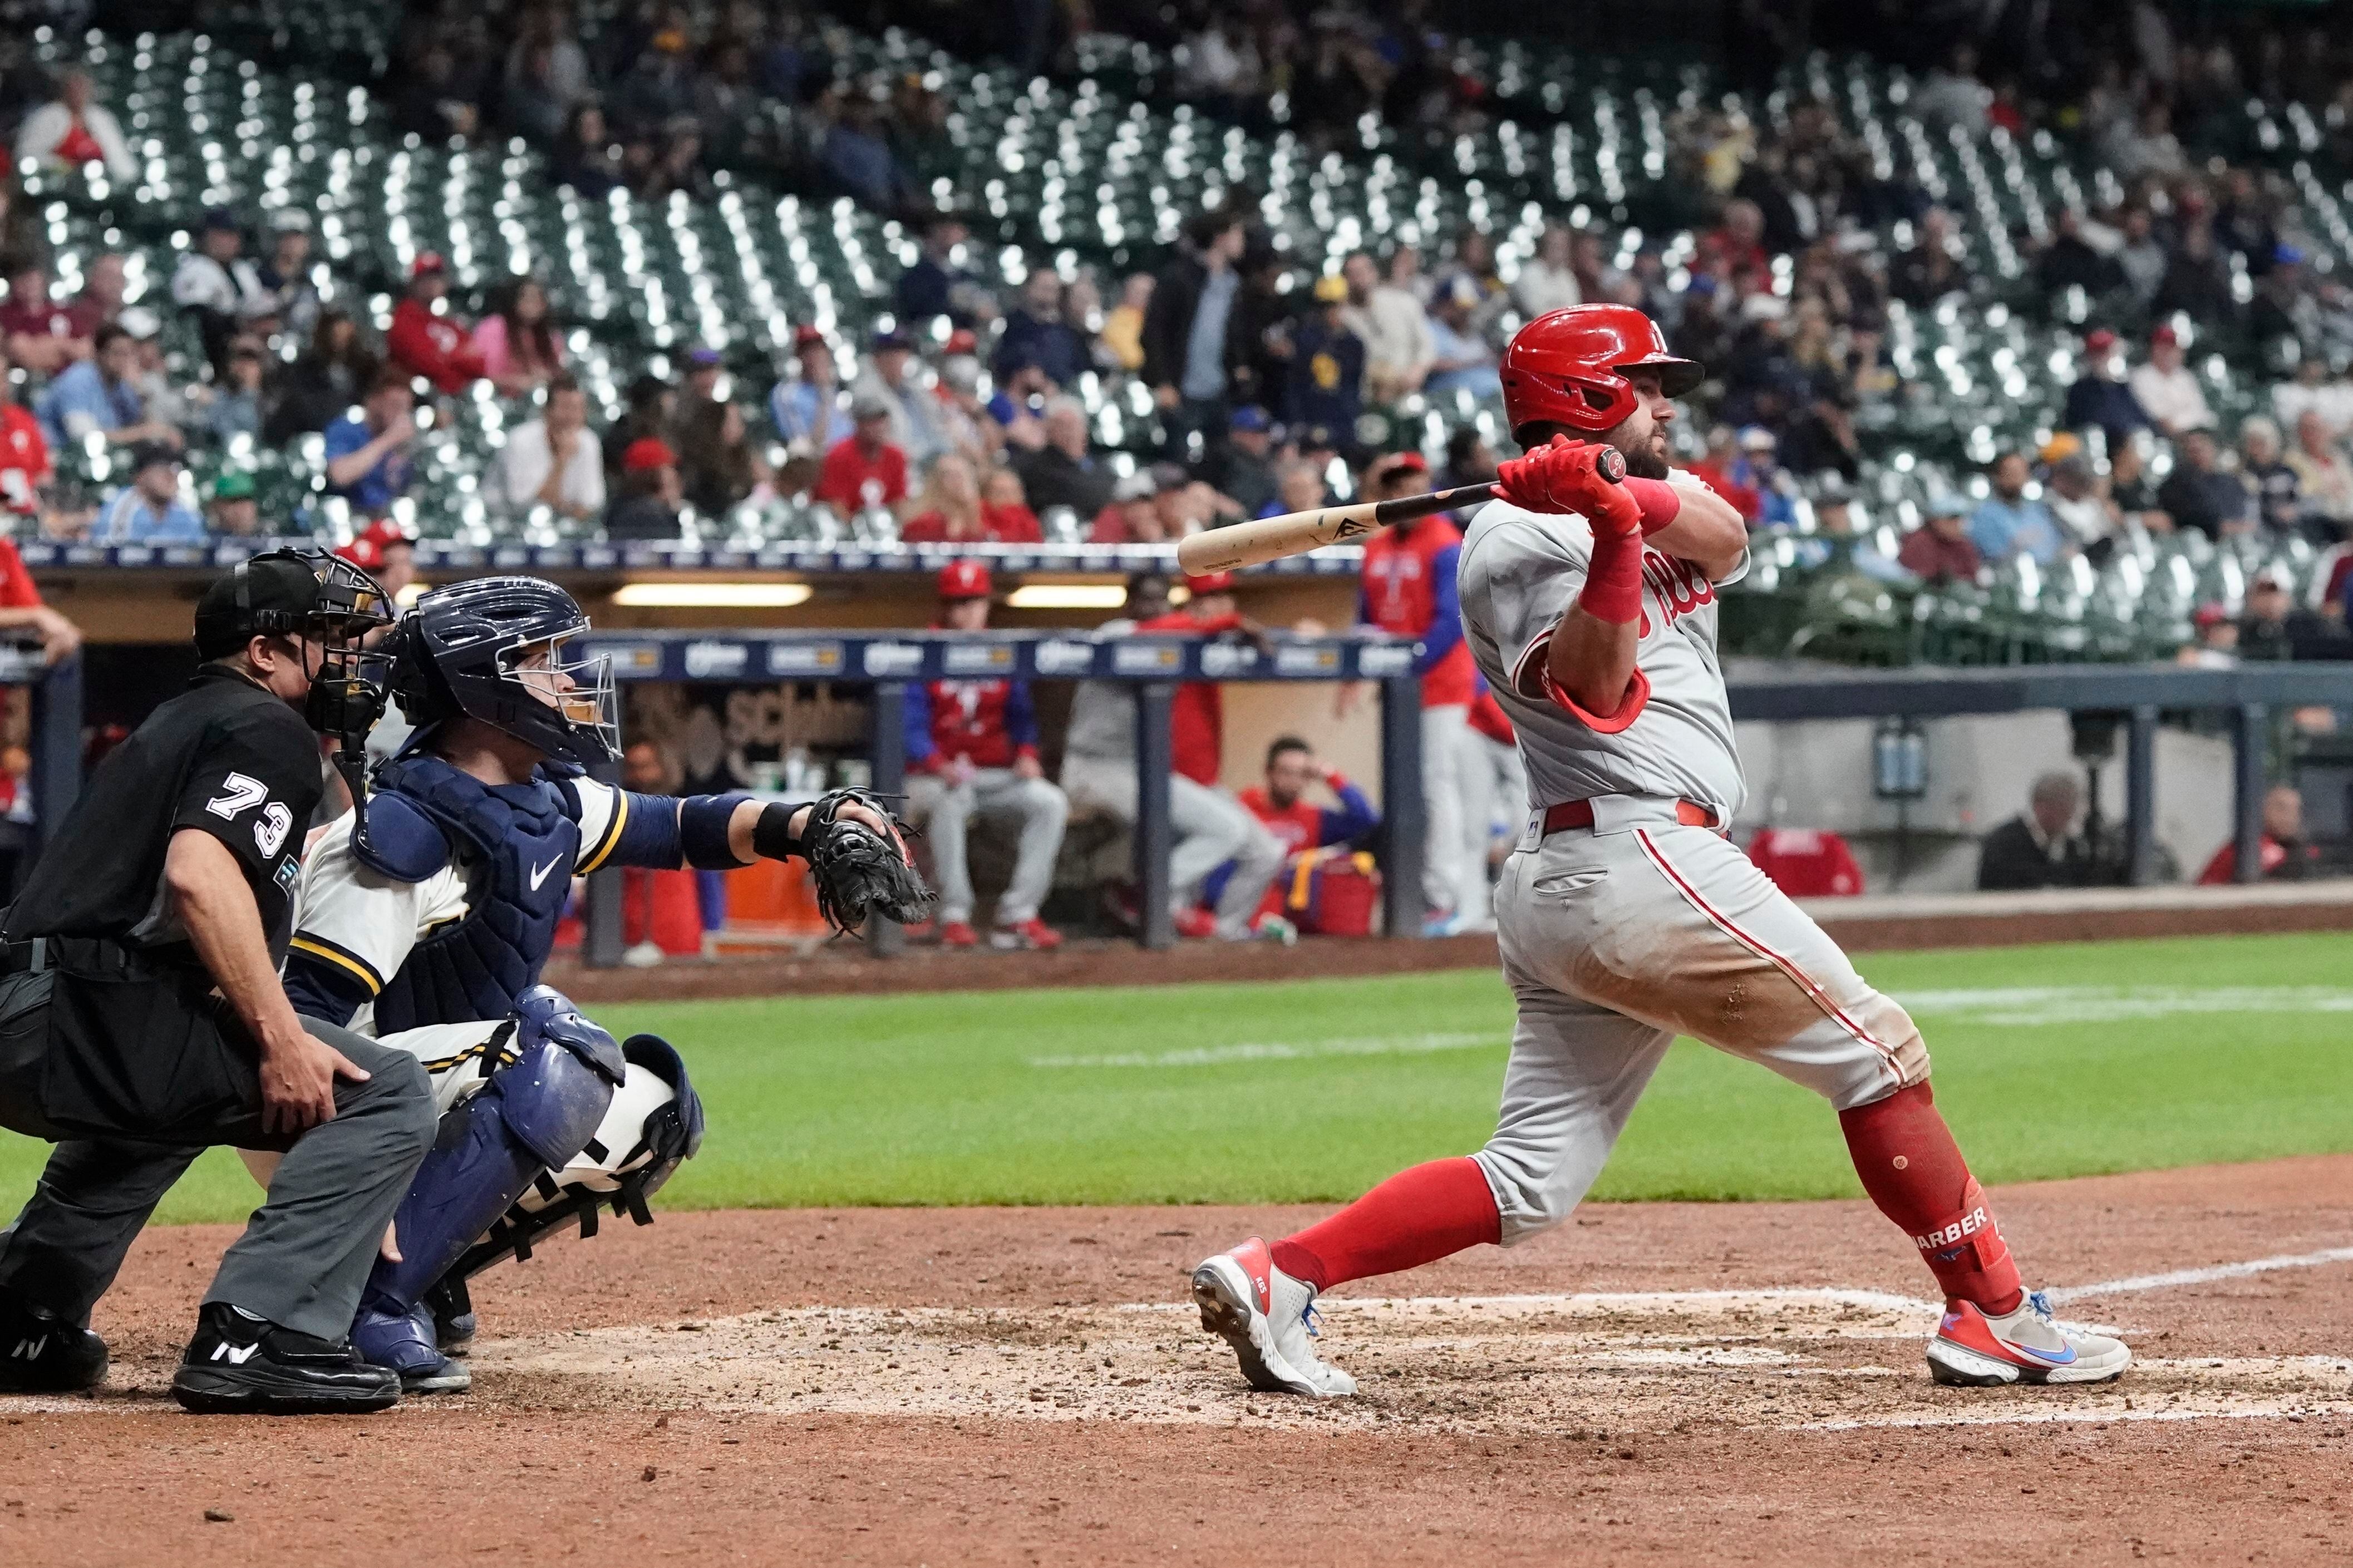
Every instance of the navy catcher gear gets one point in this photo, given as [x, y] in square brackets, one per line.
[463, 650]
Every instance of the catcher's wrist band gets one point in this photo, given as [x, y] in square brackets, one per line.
[772, 835]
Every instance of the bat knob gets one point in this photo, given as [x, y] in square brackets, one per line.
[1610, 465]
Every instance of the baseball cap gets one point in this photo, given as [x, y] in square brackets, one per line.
[805, 335]
[965, 579]
[290, 220]
[703, 358]
[147, 454]
[1169, 477]
[1249, 416]
[1331, 290]
[1757, 438]
[234, 485]
[1317, 438]
[2268, 577]
[2208, 615]
[868, 406]
[2164, 335]
[428, 264]
[885, 341]
[2285, 255]
[1403, 463]
[962, 341]
[647, 453]
[139, 321]
[1949, 504]
[1210, 583]
[1137, 485]
[2063, 446]
[2099, 341]
[219, 220]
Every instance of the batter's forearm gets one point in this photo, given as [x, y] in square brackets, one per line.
[1707, 530]
[1592, 660]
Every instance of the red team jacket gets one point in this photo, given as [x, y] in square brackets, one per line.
[1196, 718]
[1806, 864]
[1306, 826]
[1410, 591]
[988, 723]
[24, 461]
[436, 347]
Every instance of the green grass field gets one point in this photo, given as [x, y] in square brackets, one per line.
[2051, 1061]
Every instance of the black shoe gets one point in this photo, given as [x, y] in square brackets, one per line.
[241, 1365]
[453, 1316]
[44, 1355]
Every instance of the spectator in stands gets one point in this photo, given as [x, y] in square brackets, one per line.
[1734, 250]
[938, 284]
[2039, 846]
[1822, 439]
[1038, 351]
[1395, 330]
[699, 391]
[427, 339]
[517, 343]
[2284, 311]
[545, 79]
[2215, 640]
[2010, 523]
[149, 510]
[950, 509]
[555, 460]
[235, 408]
[330, 376]
[367, 450]
[2279, 502]
[2099, 397]
[808, 408]
[1242, 467]
[1210, 825]
[40, 334]
[1188, 350]
[2324, 478]
[1757, 471]
[436, 100]
[288, 274]
[1547, 280]
[72, 128]
[868, 471]
[2312, 389]
[101, 395]
[1461, 361]
[1006, 505]
[1121, 338]
[219, 289]
[857, 156]
[2071, 262]
[1950, 97]
[2282, 854]
[1326, 385]
[2276, 627]
[586, 158]
[1940, 551]
[1469, 461]
[718, 466]
[166, 399]
[675, 164]
[105, 283]
[2086, 518]
[2167, 389]
[1931, 269]
[1130, 517]
[646, 504]
[24, 467]
[2197, 495]
[233, 513]
[1299, 486]
[1715, 467]
[2196, 282]
[976, 426]
[2141, 258]
[2130, 489]
[22, 611]
[890, 382]
[972, 749]
[1061, 472]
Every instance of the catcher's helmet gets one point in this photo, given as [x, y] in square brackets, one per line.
[1568, 367]
[463, 648]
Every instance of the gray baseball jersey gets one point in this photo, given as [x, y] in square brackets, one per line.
[1520, 573]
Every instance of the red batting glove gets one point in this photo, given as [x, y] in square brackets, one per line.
[1563, 477]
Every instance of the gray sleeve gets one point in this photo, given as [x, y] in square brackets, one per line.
[1521, 579]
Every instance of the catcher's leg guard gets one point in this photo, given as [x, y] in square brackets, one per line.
[537, 1113]
[654, 1125]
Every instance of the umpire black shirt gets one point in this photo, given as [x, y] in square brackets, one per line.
[225, 757]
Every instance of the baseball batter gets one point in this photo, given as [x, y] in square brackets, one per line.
[1625, 916]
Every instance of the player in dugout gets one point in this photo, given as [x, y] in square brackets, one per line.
[1282, 808]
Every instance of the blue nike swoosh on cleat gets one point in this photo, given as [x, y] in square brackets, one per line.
[2045, 1357]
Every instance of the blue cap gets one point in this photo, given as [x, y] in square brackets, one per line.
[1249, 416]
[220, 218]
[893, 339]
[702, 359]
[2287, 256]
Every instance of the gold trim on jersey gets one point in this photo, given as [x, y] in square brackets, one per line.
[342, 957]
[611, 838]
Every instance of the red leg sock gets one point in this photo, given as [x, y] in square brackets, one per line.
[1914, 1172]
[1417, 1216]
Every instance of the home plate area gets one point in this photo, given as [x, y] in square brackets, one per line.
[1597, 1364]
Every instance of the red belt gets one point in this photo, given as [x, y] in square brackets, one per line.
[1571, 814]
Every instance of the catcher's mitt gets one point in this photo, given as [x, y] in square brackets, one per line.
[856, 869]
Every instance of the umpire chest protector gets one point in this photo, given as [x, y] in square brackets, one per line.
[514, 843]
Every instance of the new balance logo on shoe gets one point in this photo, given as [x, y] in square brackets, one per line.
[236, 1355]
[29, 1350]
[1976, 1220]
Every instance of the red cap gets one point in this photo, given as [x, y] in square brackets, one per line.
[963, 341]
[2208, 615]
[2164, 335]
[965, 579]
[804, 335]
[1404, 462]
[428, 263]
[648, 452]
[1210, 583]
[363, 552]
[367, 549]
[2100, 340]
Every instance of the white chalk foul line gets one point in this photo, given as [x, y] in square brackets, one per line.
[1280, 1051]
[2205, 1275]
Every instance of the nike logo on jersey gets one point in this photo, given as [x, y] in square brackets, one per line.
[236, 1355]
[539, 873]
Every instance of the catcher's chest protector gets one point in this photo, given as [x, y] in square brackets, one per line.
[517, 844]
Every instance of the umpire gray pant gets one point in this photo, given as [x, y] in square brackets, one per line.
[306, 1252]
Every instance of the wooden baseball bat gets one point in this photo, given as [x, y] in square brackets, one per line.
[1297, 532]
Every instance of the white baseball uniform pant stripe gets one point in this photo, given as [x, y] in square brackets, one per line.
[1210, 828]
[1616, 942]
[945, 813]
[1457, 796]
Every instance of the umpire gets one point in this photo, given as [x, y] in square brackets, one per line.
[142, 1020]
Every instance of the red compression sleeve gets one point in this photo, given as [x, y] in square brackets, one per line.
[1915, 1174]
[1661, 502]
[1613, 582]
[1417, 1216]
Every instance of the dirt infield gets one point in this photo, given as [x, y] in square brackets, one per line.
[1668, 1383]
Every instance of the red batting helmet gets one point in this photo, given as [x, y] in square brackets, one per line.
[1568, 367]
[965, 579]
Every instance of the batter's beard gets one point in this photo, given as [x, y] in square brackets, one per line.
[1645, 454]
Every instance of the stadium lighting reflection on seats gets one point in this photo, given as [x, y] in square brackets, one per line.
[712, 595]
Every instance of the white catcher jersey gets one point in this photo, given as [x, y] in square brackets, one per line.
[1671, 739]
[365, 923]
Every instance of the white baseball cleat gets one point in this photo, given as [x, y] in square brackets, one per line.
[1974, 1349]
[1269, 1318]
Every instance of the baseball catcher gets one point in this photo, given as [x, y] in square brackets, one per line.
[423, 918]
[1626, 917]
